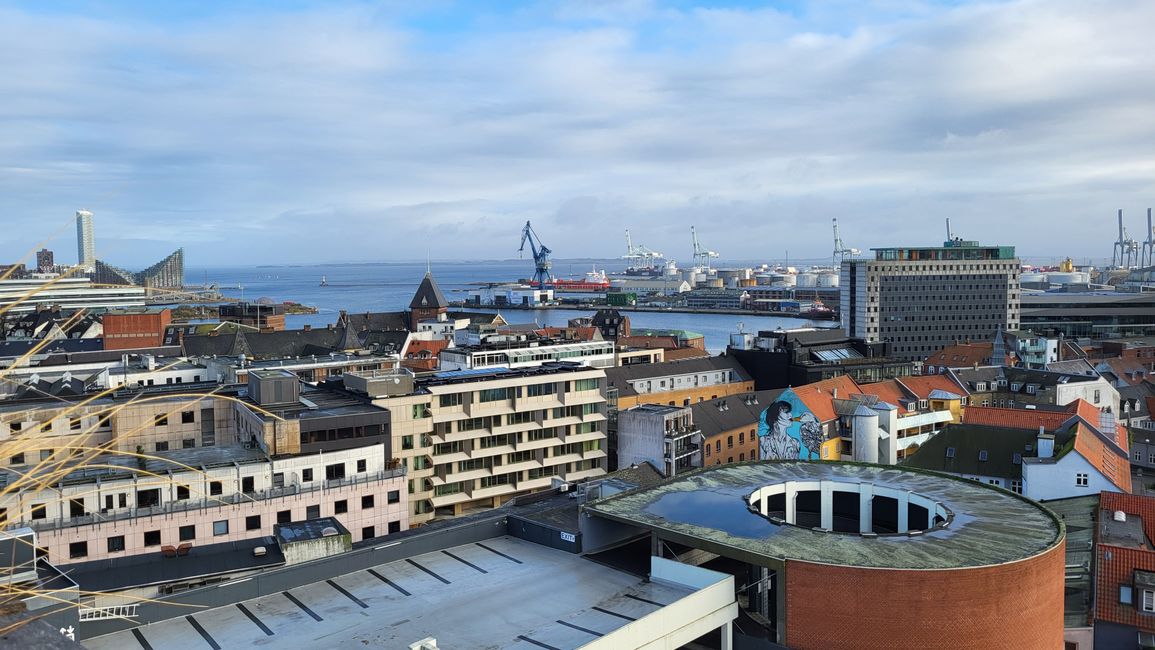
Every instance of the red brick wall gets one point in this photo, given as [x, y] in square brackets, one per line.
[127, 331]
[1017, 605]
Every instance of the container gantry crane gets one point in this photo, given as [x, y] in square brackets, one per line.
[702, 255]
[543, 266]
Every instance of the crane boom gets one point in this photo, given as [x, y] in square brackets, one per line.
[543, 266]
[702, 255]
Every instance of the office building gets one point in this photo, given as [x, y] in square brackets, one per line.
[85, 241]
[922, 299]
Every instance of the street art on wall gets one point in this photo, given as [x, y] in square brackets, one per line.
[787, 430]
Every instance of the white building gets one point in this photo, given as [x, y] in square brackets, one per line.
[663, 436]
[85, 241]
[527, 353]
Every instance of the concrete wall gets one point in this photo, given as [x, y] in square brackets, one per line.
[1057, 480]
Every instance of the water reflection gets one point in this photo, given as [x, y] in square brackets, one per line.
[724, 511]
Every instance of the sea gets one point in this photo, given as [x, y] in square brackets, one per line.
[389, 286]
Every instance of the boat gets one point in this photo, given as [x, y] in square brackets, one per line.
[594, 281]
[324, 281]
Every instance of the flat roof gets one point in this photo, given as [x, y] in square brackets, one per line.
[153, 568]
[435, 594]
[989, 526]
[122, 466]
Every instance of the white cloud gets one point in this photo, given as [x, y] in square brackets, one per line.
[258, 135]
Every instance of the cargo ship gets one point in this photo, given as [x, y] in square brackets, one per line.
[594, 282]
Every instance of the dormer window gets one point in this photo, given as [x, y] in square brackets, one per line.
[1015, 387]
[1031, 389]
[981, 386]
[922, 404]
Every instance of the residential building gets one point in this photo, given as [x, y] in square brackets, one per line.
[781, 358]
[525, 352]
[1124, 560]
[125, 329]
[612, 323]
[729, 425]
[1026, 349]
[165, 274]
[475, 439]
[1025, 451]
[663, 436]
[45, 261]
[922, 299]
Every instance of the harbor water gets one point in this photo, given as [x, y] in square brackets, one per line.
[390, 287]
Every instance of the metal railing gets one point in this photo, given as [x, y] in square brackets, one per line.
[105, 613]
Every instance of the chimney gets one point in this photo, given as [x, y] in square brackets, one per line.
[1107, 422]
[834, 392]
[1046, 443]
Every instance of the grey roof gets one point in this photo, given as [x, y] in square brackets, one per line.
[707, 508]
[1072, 367]
[428, 295]
[152, 568]
[279, 345]
[967, 440]
[621, 376]
[968, 378]
[374, 321]
[1043, 377]
[739, 411]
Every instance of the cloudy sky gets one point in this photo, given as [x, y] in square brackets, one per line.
[302, 132]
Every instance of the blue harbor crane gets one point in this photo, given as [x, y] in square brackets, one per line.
[543, 266]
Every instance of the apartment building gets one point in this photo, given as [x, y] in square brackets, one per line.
[663, 436]
[922, 299]
[475, 439]
[525, 352]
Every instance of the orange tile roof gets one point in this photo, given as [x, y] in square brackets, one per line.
[1131, 371]
[1015, 418]
[962, 354]
[1105, 455]
[1115, 566]
[1132, 504]
[889, 391]
[434, 348]
[571, 333]
[818, 396]
[923, 385]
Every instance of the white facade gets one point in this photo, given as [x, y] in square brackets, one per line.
[68, 293]
[646, 286]
[85, 241]
[1070, 476]
[510, 294]
[663, 436]
[527, 354]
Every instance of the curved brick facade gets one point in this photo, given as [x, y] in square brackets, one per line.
[1016, 605]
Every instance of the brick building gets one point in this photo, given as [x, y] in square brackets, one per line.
[130, 329]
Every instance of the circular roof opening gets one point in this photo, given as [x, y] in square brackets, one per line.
[864, 509]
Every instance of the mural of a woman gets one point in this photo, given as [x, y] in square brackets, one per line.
[778, 444]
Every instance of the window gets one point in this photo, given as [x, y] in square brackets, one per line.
[76, 508]
[539, 390]
[253, 522]
[741, 456]
[247, 484]
[335, 471]
[78, 549]
[452, 399]
[493, 394]
[421, 411]
[39, 511]
[362, 465]
[215, 488]
[367, 533]
[1148, 600]
[1138, 456]
[1016, 486]
[394, 496]
[188, 443]
[341, 507]
[1125, 594]
[45, 454]
[307, 475]
[1097, 396]
[284, 516]
[367, 502]
[585, 384]
[152, 538]
[707, 451]
[74, 424]
[741, 437]
[729, 442]
[313, 512]
[279, 480]
[394, 527]
[16, 459]
[161, 420]
[187, 417]
[116, 544]
[1081, 480]
[187, 533]
[181, 492]
[220, 528]
[407, 442]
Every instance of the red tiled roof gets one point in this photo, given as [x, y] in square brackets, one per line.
[1131, 371]
[818, 396]
[434, 348]
[571, 333]
[1015, 418]
[922, 386]
[1105, 456]
[1115, 566]
[1132, 504]
[889, 391]
[962, 354]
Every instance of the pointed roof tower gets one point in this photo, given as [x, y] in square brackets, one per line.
[428, 295]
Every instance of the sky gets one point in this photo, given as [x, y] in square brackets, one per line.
[289, 131]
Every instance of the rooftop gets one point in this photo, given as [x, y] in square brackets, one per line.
[990, 526]
[434, 594]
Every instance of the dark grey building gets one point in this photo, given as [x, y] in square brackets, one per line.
[782, 358]
[922, 299]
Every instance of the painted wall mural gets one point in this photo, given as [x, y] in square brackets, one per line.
[788, 430]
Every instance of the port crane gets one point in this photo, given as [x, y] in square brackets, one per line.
[702, 255]
[542, 265]
[640, 255]
[841, 251]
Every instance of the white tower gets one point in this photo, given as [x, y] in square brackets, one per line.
[85, 241]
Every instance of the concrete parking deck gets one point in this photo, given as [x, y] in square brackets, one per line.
[500, 593]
